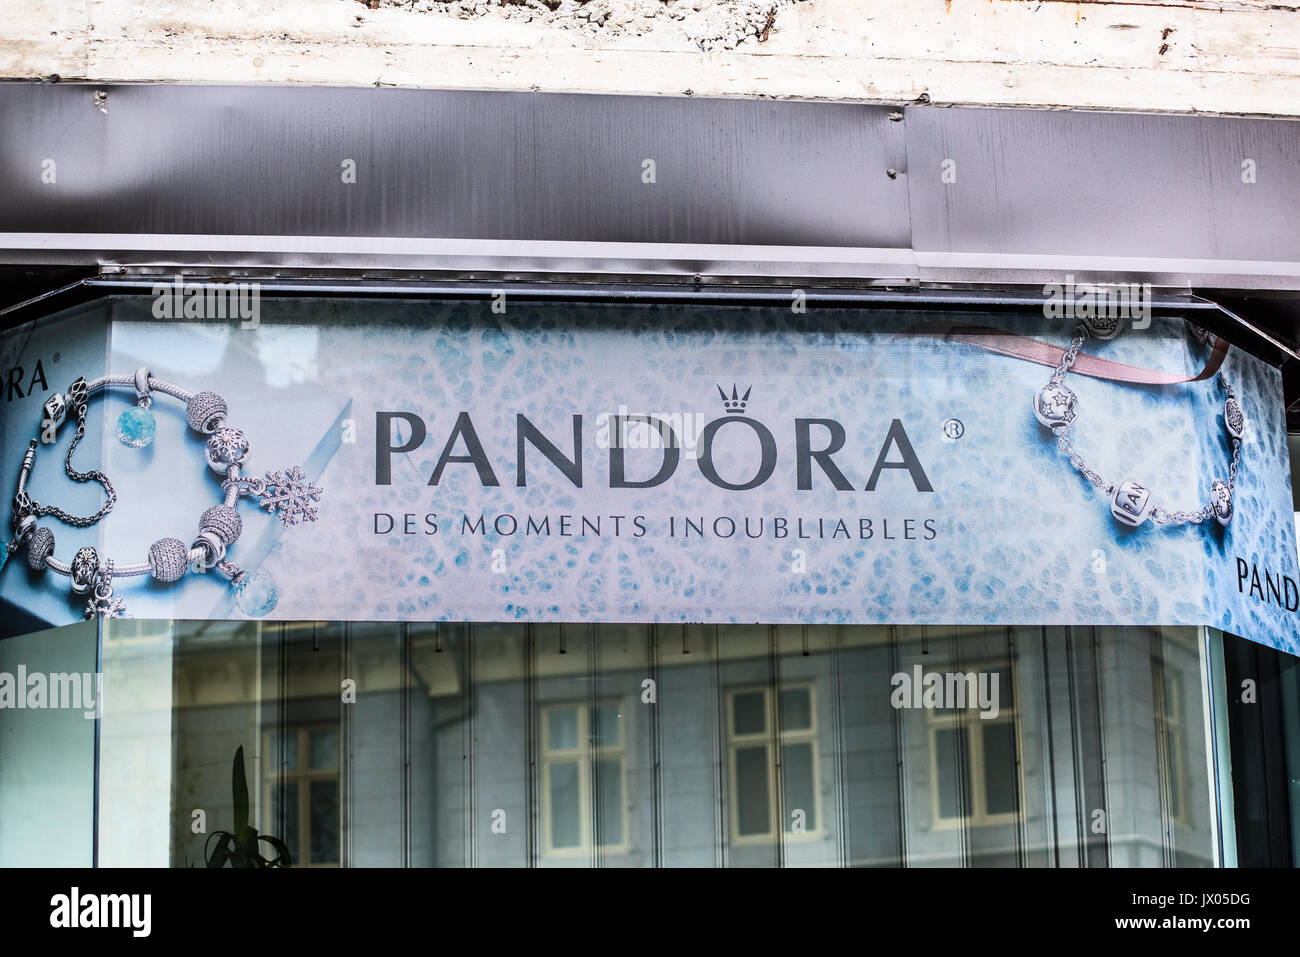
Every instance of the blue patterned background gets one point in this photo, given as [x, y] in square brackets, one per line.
[1020, 536]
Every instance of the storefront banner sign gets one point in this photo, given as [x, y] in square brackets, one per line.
[37, 361]
[535, 462]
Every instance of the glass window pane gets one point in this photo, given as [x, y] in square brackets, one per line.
[562, 729]
[748, 713]
[1006, 693]
[609, 801]
[1173, 776]
[605, 719]
[284, 752]
[47, 769]
[324, 749]
[566, 808]
[324, 822]
[656, 796]
[284, 817]
[1001, 795]
[796, 709]
[798, 785]
[753, 803]
[953, 768]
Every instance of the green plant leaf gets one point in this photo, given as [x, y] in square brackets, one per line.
[239, 790]
[218, 856]
[282, 849]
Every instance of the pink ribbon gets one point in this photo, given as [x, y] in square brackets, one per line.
[1046, 354]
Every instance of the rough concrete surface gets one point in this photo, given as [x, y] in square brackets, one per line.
[1236, 56]
[708, 24]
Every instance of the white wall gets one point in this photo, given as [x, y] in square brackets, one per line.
[1236, 56]
[135, 745]
[47, 756]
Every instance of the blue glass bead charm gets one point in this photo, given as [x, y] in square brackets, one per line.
[257, 596]
[136, 427]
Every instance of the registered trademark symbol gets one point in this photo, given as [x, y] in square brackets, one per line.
[953, 429]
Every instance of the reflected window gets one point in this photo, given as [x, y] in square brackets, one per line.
[974, 767]
[743, 760]
[1169, 730]
[584, 784]
[771, 751]
[301, 793]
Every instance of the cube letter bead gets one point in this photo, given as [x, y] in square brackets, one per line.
[55, 409]
[1131, 504]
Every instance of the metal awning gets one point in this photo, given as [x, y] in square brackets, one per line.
[127, 180]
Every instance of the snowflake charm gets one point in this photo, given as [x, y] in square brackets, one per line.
[111, 607]
[291, 496]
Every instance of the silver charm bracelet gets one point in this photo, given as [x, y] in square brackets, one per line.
[288, 494]
[1057, 408]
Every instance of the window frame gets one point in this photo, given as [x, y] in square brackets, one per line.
[586, 754]
[946, 719]
[1170, 746]
[772, 736]
[303, 777]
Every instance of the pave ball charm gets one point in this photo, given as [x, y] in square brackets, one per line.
[1131, 504]
[1221, 501]
[223, 522]
[39, 547]
[85, 569]
[1233, 419]
[205, 412]
[225, 448]
[1055, 405]
[168, 559]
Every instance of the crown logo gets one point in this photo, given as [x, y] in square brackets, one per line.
[735, 405]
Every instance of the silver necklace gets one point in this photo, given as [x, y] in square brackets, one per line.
[1130, 502]
[288, 495]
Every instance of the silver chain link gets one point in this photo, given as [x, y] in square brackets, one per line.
[162, 564]
[94, 475]
[1159, 516]
[1072, 353]
[1065, 445]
